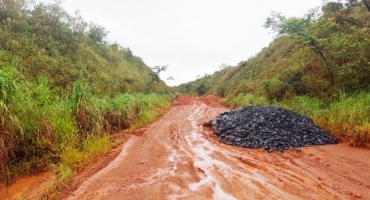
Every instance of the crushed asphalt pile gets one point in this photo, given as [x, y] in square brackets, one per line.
[271, 128]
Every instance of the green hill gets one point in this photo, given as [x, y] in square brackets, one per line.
[43, 40]
[317, 65]
[64, 89]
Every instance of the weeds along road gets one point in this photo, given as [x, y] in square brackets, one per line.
[175, 158]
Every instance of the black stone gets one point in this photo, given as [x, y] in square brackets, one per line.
[271, 128]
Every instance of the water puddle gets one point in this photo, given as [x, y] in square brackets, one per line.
[16, 189]
[202, 151]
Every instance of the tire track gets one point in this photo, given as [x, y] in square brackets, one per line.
[178, 159]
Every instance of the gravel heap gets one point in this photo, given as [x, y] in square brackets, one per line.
[269, 127]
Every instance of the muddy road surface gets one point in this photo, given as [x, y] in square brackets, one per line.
[177, 158]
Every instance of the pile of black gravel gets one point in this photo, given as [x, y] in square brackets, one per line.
[269, 127]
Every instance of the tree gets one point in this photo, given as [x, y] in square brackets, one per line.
[298, 29]
[13, 9]
[158, 69]
[223, 66]
[367, 4]
[287, 26]
[201, 89]
[352, 3]
[97, 33]
[332, 7]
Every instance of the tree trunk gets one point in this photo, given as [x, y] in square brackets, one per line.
[332, 80]
[315, 47]
[367, 4]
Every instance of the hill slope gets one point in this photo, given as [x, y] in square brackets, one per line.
[318, 65]
[43, 40]
[64, 89]
[314, 55]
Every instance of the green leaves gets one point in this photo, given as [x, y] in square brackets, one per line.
[97, 33]
[289, 26]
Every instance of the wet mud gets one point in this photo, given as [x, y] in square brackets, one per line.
[177, 158]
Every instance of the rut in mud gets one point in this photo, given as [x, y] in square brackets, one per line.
[176, 158]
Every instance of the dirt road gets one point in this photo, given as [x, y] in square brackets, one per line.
[175, 158]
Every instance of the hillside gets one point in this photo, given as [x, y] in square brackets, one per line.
[42, 40]
[64, 89]
[317, 65]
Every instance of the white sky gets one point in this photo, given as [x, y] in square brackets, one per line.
[192, 37]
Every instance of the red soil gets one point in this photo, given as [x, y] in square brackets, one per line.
[177, 158]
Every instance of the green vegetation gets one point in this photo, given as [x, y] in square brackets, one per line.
[318, 65]
[43, 40]
[346, 117]
[64, 89]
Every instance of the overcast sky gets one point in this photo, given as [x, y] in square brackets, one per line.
[192, 37]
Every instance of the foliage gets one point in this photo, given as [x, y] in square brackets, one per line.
[44, 40]
[39, 127]
[64, 89]
[97, 33]
[320, 59]
[158, 69]
[244, 100]
[346, 118]
[317, 55]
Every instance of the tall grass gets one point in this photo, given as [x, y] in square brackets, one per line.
[41, 126]
[347, 118]
[243, 99]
